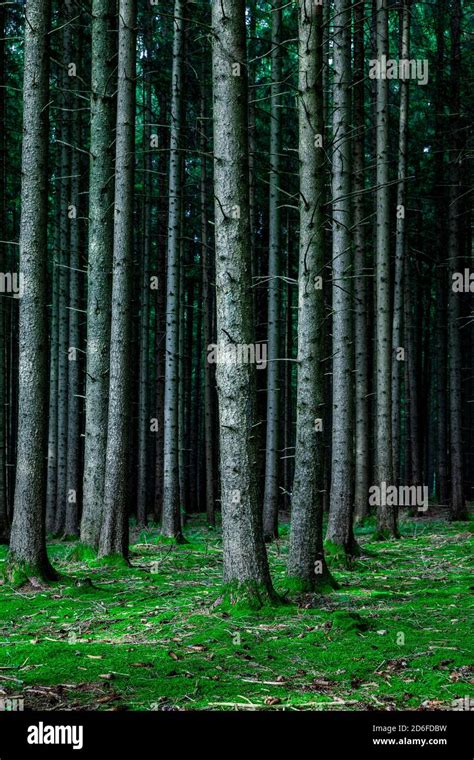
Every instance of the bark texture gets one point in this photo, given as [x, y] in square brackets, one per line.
[245, 560]
[27, 543]
[114, 531]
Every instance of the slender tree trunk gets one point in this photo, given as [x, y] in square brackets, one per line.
[4, 521]
[245, 560]
[339, 532]
[101, 189]
[53, 383]
[143, 417]
[114, 531]
[73, 491]
[64, 268]
[457, 497]
[171, 518]
[397, 325]
[209, 378]
[386, 515]
[362, 434]
[27, 543]
[306, 564]
[271, 496]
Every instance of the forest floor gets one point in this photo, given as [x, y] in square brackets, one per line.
[396, 635]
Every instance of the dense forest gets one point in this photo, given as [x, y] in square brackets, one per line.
[236, 310]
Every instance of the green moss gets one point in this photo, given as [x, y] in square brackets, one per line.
[394, 635]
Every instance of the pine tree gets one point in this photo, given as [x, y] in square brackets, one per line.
[114, 531]
[27, 543]
[245, 561]
[306, 564]
[101, 193]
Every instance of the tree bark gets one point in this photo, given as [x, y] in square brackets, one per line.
[397, 324]
[27, 544]
[271, 493]
[386, 515]
[244, 554]
[101, 193]
[114, 531]
[4, 521]
[457, 496]
[362, 434]
[306, 564]
[170, 517]
[340, 532]
[73, 477]
[65, 124]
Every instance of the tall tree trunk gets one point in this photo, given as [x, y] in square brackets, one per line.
[4, 521]
[53, 380]
[245, 560]
[362, 433]
[457, 497]
[386, 515]
[340, 532]
[27, 544]
[209, 378]
[65, 125]
[397, 325]
[306, 564]
[143, 417]
[171, 518]
[114, 531]
[73, 490]
[101, 193]
[271, 495]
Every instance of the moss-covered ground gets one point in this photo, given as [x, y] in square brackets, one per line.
[395, 635]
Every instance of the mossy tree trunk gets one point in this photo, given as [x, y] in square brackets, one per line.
[306, 564]
[245, 560]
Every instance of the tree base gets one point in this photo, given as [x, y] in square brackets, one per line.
[342, 555]
[83, 553]
[248, 596]
[384, 534]
[322, 584]
[18, 572]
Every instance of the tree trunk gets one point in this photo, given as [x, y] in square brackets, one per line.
[362, 434]
[27, 544]
[339, 532]
[386, 515]
[397, 325]
[171, 518]
[209, 378]
[4, 521]
[74, 365]
[101, 189]
[114, 531]
[143, 417]
[65, 124]
[306, 565]
[245, 560]
[457, 497]
[271, 495]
